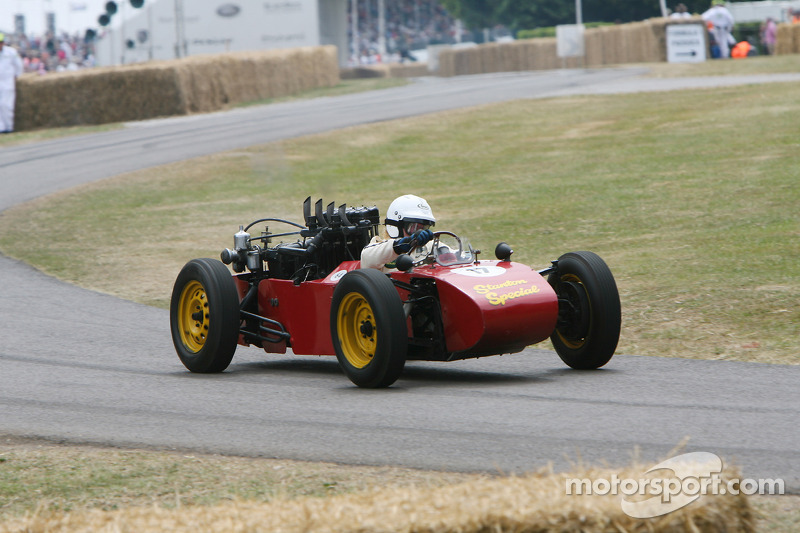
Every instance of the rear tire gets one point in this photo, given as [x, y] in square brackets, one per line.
[368, 328]
[204, 316]
[589, 314]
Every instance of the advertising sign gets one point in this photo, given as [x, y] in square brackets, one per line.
[686, 43]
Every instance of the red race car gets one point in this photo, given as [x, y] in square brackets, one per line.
[442, 304]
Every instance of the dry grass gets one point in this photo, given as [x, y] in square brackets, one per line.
[381, 502]
[47, 486]
[738, 67]
[48, 477]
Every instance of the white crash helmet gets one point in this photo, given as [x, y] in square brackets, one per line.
[405, 210]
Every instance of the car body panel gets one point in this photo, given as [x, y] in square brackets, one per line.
[491, 307]
[488, 308]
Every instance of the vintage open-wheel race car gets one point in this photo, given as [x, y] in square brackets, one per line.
[443, 302]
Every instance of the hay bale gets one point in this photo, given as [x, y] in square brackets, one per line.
[796, 38]
[446, 63]
[98, 96]
[548, 54]
[509, 58]
[488, 58]
[214, 81]
[636, 42]
[476, 64]
[783, 43]
[657, 43]
[640, 42]
[537, 502]
[457, 62]
[516, 55]
[593, 46]
[148, 90]
[612, 45]
[526, 50]
[531, 54]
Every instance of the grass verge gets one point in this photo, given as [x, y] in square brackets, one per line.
[28, 137]
[692, 203]
[739, 67]
[57, 478]
[138, 490]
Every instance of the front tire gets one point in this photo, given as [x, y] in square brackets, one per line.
[204, 316]
[589, 313]
[368, 328]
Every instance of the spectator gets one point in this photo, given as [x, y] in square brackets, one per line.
[741, 50]
[45, 54]
[10, 70]
[681, 12]
[769, 35]
[721, 23]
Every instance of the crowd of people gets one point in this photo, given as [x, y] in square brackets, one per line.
[21, 54]
[720, 23]
[53, 53]
[410, 25]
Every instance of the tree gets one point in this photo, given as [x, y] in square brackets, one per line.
[516, 14]
[529, 14]
[474, 13]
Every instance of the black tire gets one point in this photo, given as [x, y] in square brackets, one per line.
[368, 328]
[204, 316]
[589, 317]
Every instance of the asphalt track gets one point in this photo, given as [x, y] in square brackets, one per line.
[81, 367]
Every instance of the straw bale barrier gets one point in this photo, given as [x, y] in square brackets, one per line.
[532, 503]
[636, 42]
[788, 41]
[178, 87]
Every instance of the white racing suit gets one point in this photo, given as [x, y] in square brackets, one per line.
[10, 70]
[380, 254]
[722, 20]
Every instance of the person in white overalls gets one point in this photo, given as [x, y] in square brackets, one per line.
[10, 70]
[722, 22]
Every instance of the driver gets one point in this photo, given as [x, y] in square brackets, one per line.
[408, 224]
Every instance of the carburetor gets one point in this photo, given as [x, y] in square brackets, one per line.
[244, 253]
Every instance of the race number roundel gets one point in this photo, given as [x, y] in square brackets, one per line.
[338, 275]
[477, 271]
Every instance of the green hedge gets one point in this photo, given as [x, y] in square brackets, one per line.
[550, 31]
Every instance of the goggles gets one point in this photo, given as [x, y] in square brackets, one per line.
[412, 227]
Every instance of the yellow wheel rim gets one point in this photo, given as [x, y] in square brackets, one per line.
[572, 344]
[193, 315]
[355, 324]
